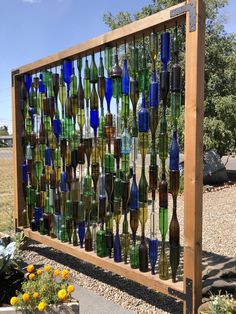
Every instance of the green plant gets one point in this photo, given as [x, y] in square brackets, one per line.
[11, 275]
[43, 287]
[21, 241]
[221, 304]
[7, 256]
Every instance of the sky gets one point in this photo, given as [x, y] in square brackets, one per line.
[32, 29]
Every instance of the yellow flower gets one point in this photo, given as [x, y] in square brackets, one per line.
[41, 306]
[39, 271]
[26, 297]
[56, 273]
[31, 276]
[35, 295]
[30, 268]
[61, 294]
[47, 268]
[70, 288]
[14, 300]
[65, 274]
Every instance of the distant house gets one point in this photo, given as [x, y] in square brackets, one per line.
[6, 140]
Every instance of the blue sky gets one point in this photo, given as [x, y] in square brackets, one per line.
[32, 29]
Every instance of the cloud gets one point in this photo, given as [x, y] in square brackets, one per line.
[31, 1]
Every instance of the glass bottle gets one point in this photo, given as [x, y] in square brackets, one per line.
[117, 216]
[176, 84]
[125, 190]
[143, 125]
[174, 229]
[87, 92]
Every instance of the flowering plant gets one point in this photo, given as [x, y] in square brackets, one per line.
[43, 287]
[221, 304]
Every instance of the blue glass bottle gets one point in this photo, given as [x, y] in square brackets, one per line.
[154, 97]
[28, 81]
[81, 233]
[32, 113]
[143, 118]
[42, 88]
[165, 48]
[125, 79]
[63, 182]
[117, 248]
[134, 195]
[153, 249]
[57, 128]
[134, 208]
[47, 156]
[94, 121]
[67, 71]
[108, 92]
[174, 152]
[38, 214]
[24, 173]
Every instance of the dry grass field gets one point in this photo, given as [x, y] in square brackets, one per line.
[6, 189]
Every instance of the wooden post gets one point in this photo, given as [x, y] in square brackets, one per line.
[193, 154]
[18, 156]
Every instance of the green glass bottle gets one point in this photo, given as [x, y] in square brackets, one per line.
[93, 71]
[108, 59]
[109, 216]
[87, 92]
[153, 47]
[163, 264]
[87, 198]
[73, 84]
[134, 62]
[163, 198]
[143, 73]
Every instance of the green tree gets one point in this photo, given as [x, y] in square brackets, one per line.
[220, 74]
[4, 130]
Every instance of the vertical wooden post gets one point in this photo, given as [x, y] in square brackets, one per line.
[193, 155]
[18, 156]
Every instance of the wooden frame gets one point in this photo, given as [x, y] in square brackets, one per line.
[189, 290]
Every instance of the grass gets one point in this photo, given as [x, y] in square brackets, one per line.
[6, 193]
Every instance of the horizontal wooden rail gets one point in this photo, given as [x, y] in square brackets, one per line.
[145, 279]
[144, 26]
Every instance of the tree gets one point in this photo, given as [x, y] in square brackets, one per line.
[4, 130]
[220, 75]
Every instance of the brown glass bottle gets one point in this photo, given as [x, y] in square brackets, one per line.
[174, 229]
[88, 240]
[143, 255]
[63, 149]
[88, 146]
[81, 153]
[52, 178]
[134, 220]
[69, 175]
[117, 151]
[69, 228]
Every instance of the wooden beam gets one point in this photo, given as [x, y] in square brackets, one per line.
[18, 157]
[156, 21]
[193, 153]
[145, 279]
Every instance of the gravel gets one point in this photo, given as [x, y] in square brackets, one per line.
[219, 234]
